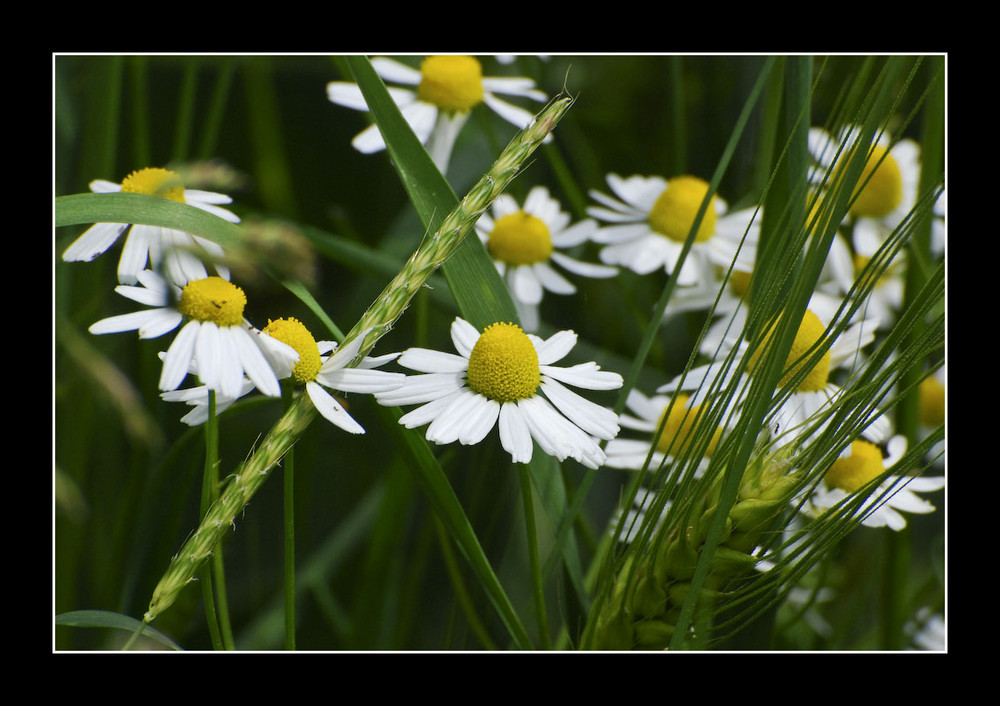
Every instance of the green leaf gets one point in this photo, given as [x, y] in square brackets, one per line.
[110, 619]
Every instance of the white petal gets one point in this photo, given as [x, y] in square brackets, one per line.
[514, 86]
[417, 389]
[429, 361]
[332, 410]
[555, 347]
[454, 420]
[177, 360]
[361, 380]
[519, 117]
[575, 235]
[94, 241]
[255, 365]
[396, 71]
[586, 375]
[524, 284]
[592, 418]
[209, 351]
[464, 336]
[122, 322]
[552, 280]
[585, 269]
[514, 434]
[429, 412]
[231, 369]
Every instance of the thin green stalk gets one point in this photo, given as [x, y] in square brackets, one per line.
[207, 487]
[289, 512]
[537, 586]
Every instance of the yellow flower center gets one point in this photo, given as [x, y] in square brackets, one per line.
[739, 283]
[294, 333]
[520, 239]
[503, 365]
[680, 422]
[810, 331]
[854, 471]
[931, 402]
[154, 182]
[882, 186]
[213, 299]
[674, 212]
[452, 83]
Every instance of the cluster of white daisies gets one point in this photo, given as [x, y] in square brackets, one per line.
[506, 376]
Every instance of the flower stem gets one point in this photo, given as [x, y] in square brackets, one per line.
[536, 568]
[289, 511]
[208, 486]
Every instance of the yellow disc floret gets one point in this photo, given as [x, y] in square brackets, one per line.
[931, 402]
[680, 422]
[155, 182]
[213, 299]
[452, 83]
[520, 239]
[294, 333]
[810, 331]
[674, 212]
[881, 186]
[503, 365]
[852, 472]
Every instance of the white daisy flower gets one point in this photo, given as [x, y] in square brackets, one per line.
[681, 420]
[651, 218]
[216, 337]
[859, 466]
[314, 368]
[447, 89]
[152, 245]
[317, 371]
[525, 242]
[889, 180]
[506, 378]
[814, 392]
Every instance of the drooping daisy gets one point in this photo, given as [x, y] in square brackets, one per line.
[681, 419]
[216, 337]
[650, 220]
[857, 467]
[888, 183]
[318, 371]
[447, 89]
[524, 241]
[814, 392]
[152, 245]
[506, 378]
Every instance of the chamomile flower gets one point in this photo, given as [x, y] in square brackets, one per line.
[503, 377]
[647, 415]
[650, 219]
[813, 393]
[860, 465]
[888, 182]
[318, 371]
[525, 242]
[152, 245]
[446, 89]
[215, 338]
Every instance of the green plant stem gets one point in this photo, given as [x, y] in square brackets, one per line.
[289, 512]
[537, 586]
[207, 487]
